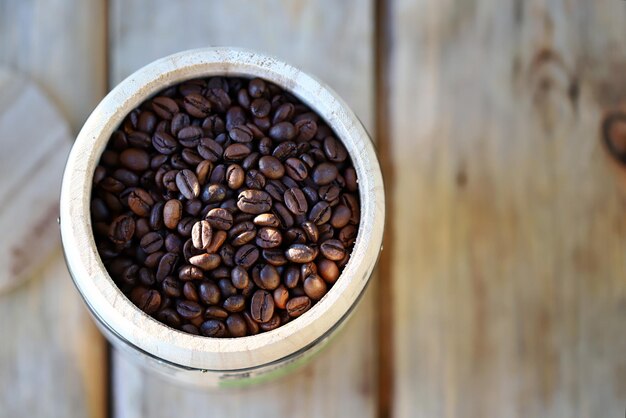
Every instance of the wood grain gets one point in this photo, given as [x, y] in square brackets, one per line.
[52, 358]
[508, 220]
[341, 382]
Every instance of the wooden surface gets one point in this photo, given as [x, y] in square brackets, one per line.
[53, 360]
[507, 227]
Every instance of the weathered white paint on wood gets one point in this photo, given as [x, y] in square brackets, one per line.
[510, 225]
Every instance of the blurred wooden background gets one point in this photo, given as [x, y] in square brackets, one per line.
[501, 291]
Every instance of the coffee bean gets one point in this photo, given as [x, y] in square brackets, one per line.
[140, 202]
[268, 238]
[203, 171]
[236, 325]
[227, 288]
[300, 253]
[147, 300]
[213, 193]
[126, 177]
[257, 88]
[320, 213]
[201, 234]
[219, 237]
[296, 169]
[254, 179]
[306, 130]
[298, 305]
[169, 317]
[135, 159]
[334, 150]
[239, 277]
[209, 293]
[197, 105]
[283, 112]
[266, 277]
[315, 287]
[205, 261]
[190, 292]
[220, 218]
[236, 152]
[273, 323]
[165, 107]
[347, 235]
[171, 287]
[283, 214]
[246, 256]
[164, 143]
[122, 229]
[241, 133]
[260, 108]
[151, 242]
[137, 139]
[152, 260]
[274, 256]
[213, 328]
[235, 116]
[235, 303]
[188, 184]
[189, 272]
[328, 270]
[311, 231]
[271, 167]
[285, 150]
[167, 265]
[353, 204]
[173, 243]
[254, 201]
[324, 174]
[235, 176]
[262, 306]
[296, 201]
[189, 309]
[282, 131]
[219, 98]
[172, 213]
[215, 312]
[242, 233]
[266, 219]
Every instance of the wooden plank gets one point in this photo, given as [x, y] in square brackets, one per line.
[342, 381]
[509, 222]
[52, 358]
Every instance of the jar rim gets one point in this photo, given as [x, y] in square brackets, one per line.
[117, 312]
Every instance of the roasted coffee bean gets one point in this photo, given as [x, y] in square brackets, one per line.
[215, 312]
[126, 177]
[172, 213]
[350, 177]
[177, 162]
[257, 88]
[324, 174]
[213, 193]
[219, 238]
[218, 174]
[274, 256]
[235, 176]
[190, 292]
[164, 143]
[266, 219]
[188, 184]
[326, 231]
[296, 169]
[273, 323]
[276, 189]
[282, 131]
[291, 276]
[239, 277]
[241, 133]
[138, 139]
[307, 269]
[236, 325]
[315, 287]
[165, 107]
[193, 207]
[227, 288]
[300, 253]
[152, 260]
[151, 242]
[340, 217]
[260, 108]
[140, 202]
[190, 329]
[281, 296]
[167, 266]
[221, 273]
[246, 256]
[227, 252]
[219, 98]
[242, 233]
[296, 201]
[209, 293]
[173, 243]
[298, 305]
[189, 272]
[334, 150]
[135, 159]
[189, 309]
[236, 152]
[147, 300]
[254, 179]
[328, 270]
[169, 180]
[311, 231]
[179, 122]
[169, 317]
[205, 261]
[111, 185]
[201, 234]
[347, 235]
[266, 277]
[122, 229]
[268, 237]
[283, 214]
[220, 218]
[213, 328]
[285, 150]
[146, 277]
[197, 105]
[203, 171]
[320, 213]
[271, 167]
[262, 306]
[235, 303]
[306, 130]
[254, 201]
[235, 116]
[283, 112]
[352, 203]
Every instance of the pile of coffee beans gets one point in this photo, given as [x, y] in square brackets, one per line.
[224, 207]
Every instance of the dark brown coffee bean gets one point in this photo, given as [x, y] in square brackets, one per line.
[328, 270]
[291, 276]
[188, 309]
[147, 300]
[236, 325]
[254, 201]
[172, 213]
[246, 256]
[241, 133]
[251, 324]
[169, 180]
[219, 98]
[260, 108]
[334, 150]
[220, 218]
[285, 150]
[140, 202]
[315, 287]
[213, 328]
[296, 201]
[197, 105]
[190, 329]
[188, 135]
[283, 112]
[122, 229]
[307, 269]
[242, 233]
[219, 238]
[300, 253]
[206, 261]
[271, 167]
[282, 131]
[347, 235]
[138, 139]
[189, 272]
[179, 122]
[236, 152]
[190, 292]
[257, 88]
[274, 256]
[227, 288]
[276, 189]
[126, 177]
[254, 179]
[306, 129]
[221, 273]
[296, 169]
[169, 317]
[146, 277]
[298, 305]
[266, 277]
[215, 312]
[311, 231]
[209, 293]
[320, 213]
[272, 324]
[239, 277]
[235, 176]
[201, 235]
[281, 296]
[188, 184]
[324, 174]
[165, 107]
[152, 260]
[203, 171]
[227, 253]
[135, 159]
[261, 306]
[171, 287]
[283, 214]
[235, 116]
[164, 143]
[173, 243]
[213, 193]
[193, 207]
[151, 242]
[235, 303]
[268, 238]
[266, 219]
[167, 265]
